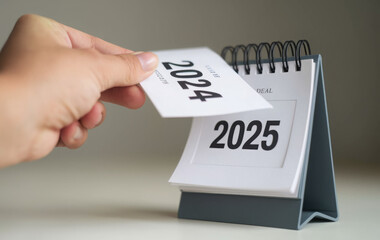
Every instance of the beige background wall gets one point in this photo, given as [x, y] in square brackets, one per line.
[346, 33]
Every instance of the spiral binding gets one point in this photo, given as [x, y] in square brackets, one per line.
[282, 48]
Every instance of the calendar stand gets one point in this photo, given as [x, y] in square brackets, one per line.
[317, 196]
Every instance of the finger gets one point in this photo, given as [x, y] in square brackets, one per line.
[123, 70]
[95, 117]
[32, 31]
[130, 97]
[41, 28]
[83, 40]
[74, 135]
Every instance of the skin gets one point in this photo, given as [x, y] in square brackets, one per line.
[52, 81]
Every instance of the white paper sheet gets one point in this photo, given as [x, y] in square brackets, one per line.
[197, 82]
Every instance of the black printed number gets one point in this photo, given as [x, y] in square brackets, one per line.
[168, 67]
[190, 74]
[199, 94]
[249, 143]
[215, 143]
[203, 83]
[230, 141]
[237, 131]
[186, 74]
[202, 95]
[270, 132]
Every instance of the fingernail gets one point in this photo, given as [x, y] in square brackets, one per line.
[78, 133]
[147, 60]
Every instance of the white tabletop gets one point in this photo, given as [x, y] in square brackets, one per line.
[130, 198]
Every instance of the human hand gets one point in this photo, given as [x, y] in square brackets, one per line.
[51, 80]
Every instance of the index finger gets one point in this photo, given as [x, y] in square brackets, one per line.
[80, 39]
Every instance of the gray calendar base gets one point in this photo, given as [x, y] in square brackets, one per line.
[253, 210]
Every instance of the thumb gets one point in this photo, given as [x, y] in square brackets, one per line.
[125, 69]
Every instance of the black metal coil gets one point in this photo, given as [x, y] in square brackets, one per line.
[282, 48]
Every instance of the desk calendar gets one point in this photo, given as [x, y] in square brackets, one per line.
[269, 167]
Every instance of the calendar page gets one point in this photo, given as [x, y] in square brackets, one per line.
[197, 82]
[253, 153]
[247, 140]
